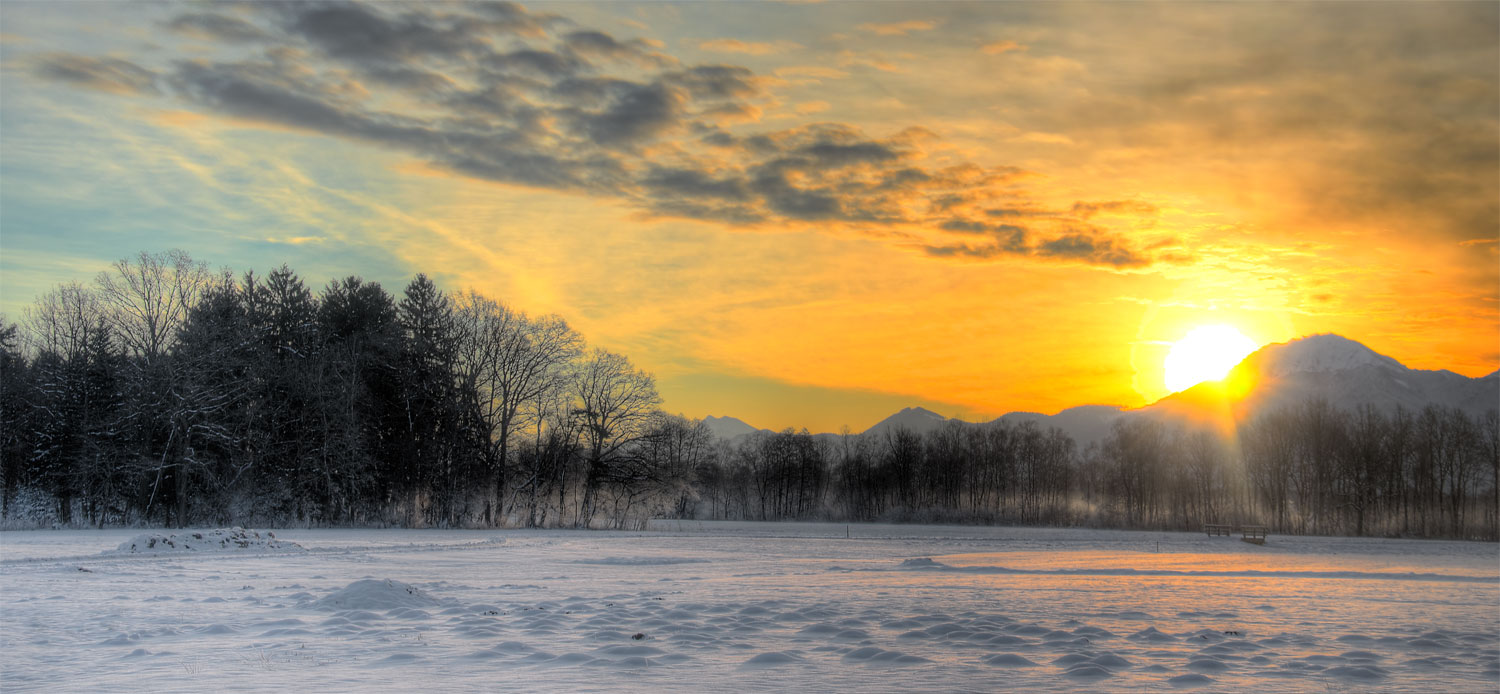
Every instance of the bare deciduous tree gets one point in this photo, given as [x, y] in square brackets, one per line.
[614, 401]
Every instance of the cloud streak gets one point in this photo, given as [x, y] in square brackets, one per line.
[897, 28]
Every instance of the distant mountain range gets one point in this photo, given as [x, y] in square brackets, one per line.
[728, 427]
[1341, 371]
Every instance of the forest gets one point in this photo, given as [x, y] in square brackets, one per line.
[166, 393]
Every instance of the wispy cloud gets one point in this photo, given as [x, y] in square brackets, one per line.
[1001, 47]
[747, 47]
[898, 28]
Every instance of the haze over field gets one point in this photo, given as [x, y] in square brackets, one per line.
[798, 214]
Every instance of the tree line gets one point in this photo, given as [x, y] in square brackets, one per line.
[166, 393]
[1309, 469]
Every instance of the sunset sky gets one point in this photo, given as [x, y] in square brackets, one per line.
[799, 214]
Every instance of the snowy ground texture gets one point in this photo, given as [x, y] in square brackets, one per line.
[743, 606]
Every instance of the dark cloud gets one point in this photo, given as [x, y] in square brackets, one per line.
[509, 17]
[634, 113]
[105, 74]
[597, 44]
[413, 79]
[715, 82]
[1091, 249]
[678, 182]
[543, 64]
[973, 227]
[835, 155]
[257, 92]
[964, 225]
[903, 178]
[492, 153]
[1132, 207]
[358, 32]
[1012, 244]
[216, 27]
[804, 203]
[1017, 212]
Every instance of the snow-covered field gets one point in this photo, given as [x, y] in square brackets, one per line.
[742, 606]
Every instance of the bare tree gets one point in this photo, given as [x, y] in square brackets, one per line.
[63, 320]
[149, 299]
[510, 361]
[615, 402]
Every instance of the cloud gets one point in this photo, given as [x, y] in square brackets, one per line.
[813, 71]
[1015, 242]
[498, 93]
[597, 44]
[898, 28]
[1000, 47]
[104, 74]
[634, 113]
[536, 63]
[1093, 249]
[851, 59]
[358, 32]
[296, 240]
[1043, 139]
[1125, 207]
[216, 27]
[747, 47]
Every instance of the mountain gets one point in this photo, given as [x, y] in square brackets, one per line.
[918, 420]
[1326, 353]
[1341, 371]
[1086, 424]
[727, 428]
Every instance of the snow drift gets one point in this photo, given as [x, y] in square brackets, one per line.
[376, 594]
[220, 540]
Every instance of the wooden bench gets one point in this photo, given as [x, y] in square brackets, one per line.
[1255, 534]
[1216, 529]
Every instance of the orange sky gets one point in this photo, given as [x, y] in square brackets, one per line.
[799, 215]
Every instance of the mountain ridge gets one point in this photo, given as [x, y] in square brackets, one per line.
[1328, 366]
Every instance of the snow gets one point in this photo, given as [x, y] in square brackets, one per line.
[221, 540]
[372, 594]
[751, 607]
[1318, 353]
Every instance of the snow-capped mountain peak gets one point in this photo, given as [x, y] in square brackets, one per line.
[1343, 373]
[1317, 354]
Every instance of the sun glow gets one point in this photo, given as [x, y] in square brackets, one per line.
[1205, 354]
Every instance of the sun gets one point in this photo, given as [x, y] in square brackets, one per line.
[1206, 353]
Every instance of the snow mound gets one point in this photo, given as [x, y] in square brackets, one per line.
[220, 540]
[376, 594]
